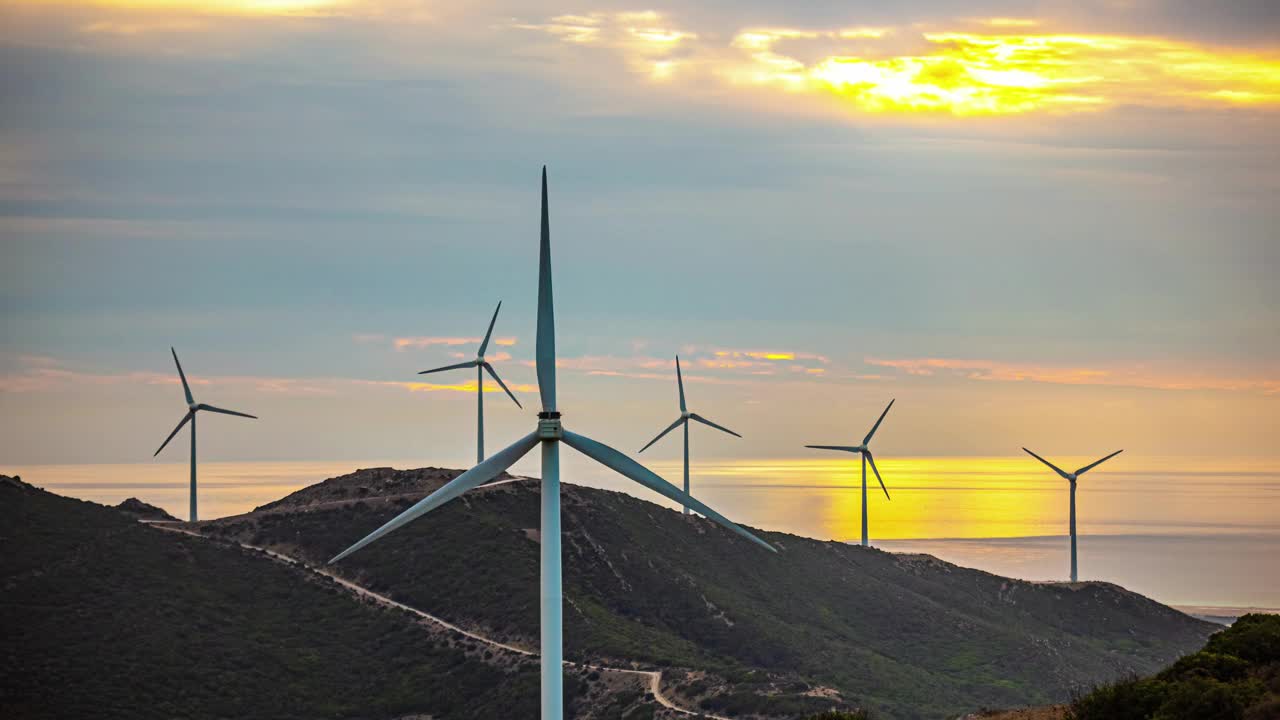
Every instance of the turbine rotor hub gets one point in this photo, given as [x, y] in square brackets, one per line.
[193, 405]
[685, 414]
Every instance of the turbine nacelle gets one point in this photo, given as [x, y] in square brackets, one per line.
[193, 406]
[549, 427]
[684, 414]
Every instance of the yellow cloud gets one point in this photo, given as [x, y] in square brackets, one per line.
[768, 355]
[1012, 66]
[237, 7]
[999, 74]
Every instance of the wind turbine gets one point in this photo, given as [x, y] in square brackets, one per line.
[192, 408]
[685, 417]
[481, 365]
[865, 451]
[549, 434]
[1071, 478]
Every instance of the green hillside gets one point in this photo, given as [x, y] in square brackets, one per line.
[904, 636]
[103, 617]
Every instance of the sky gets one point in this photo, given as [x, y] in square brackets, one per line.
[1050, 224]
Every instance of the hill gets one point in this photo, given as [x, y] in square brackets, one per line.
[139, 510]
[906, 636]
[105, 617]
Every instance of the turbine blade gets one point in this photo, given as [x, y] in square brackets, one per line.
[843, 448]
[1096, 463]
[494, 374]
[680, 382]
[467, 364]
[186, 389]
[484, 345]
[875, 427]
[708, 423]
[1046, 462]
[872, 460]
[629, 468]
[224, 411]
[546, 343]
[185, 419]
[671, 427]
[477, 475]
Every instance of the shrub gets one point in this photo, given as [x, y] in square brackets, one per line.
[1254, 637]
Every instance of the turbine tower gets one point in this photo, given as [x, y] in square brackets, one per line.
[685, 417]
[865, 451]
[481, 365]
[550, 434]
[192, 408]
[1071, 478]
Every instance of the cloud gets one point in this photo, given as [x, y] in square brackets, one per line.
[469, 386]
[403, 343]
[647, 40]
[213, 7]
[1012, 66]
[37, 379]
[1129, 376]
[716, 366]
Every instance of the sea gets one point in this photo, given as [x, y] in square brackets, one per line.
[1199, 533]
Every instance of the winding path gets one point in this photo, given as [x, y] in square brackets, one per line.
[655, 676]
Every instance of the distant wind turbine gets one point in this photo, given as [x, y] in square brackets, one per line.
[481, 365]
[549, 434]
[685, 417]
[1071, 478]
[192, 408]
[865, 451]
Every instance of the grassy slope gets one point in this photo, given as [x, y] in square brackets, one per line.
[103, 617]
[908, 637]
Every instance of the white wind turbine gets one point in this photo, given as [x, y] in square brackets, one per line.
[481, 365]
[865, 451]
[549, 435]
[192, 408]
[685, 417]
[1071, 478]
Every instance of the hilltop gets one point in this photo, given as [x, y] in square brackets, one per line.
[139, 510]
[818, 624]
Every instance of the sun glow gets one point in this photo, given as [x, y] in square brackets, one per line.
[1000, 74]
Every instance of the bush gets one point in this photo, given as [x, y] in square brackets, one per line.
[1227, 668]
[1204, 698]
[1235, 677]
[1255, 638]
[1129, 699]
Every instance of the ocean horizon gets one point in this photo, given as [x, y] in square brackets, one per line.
[1193, 533]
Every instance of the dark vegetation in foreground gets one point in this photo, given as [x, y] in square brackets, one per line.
[103, 617]
[1235, 677]
[820, 625]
